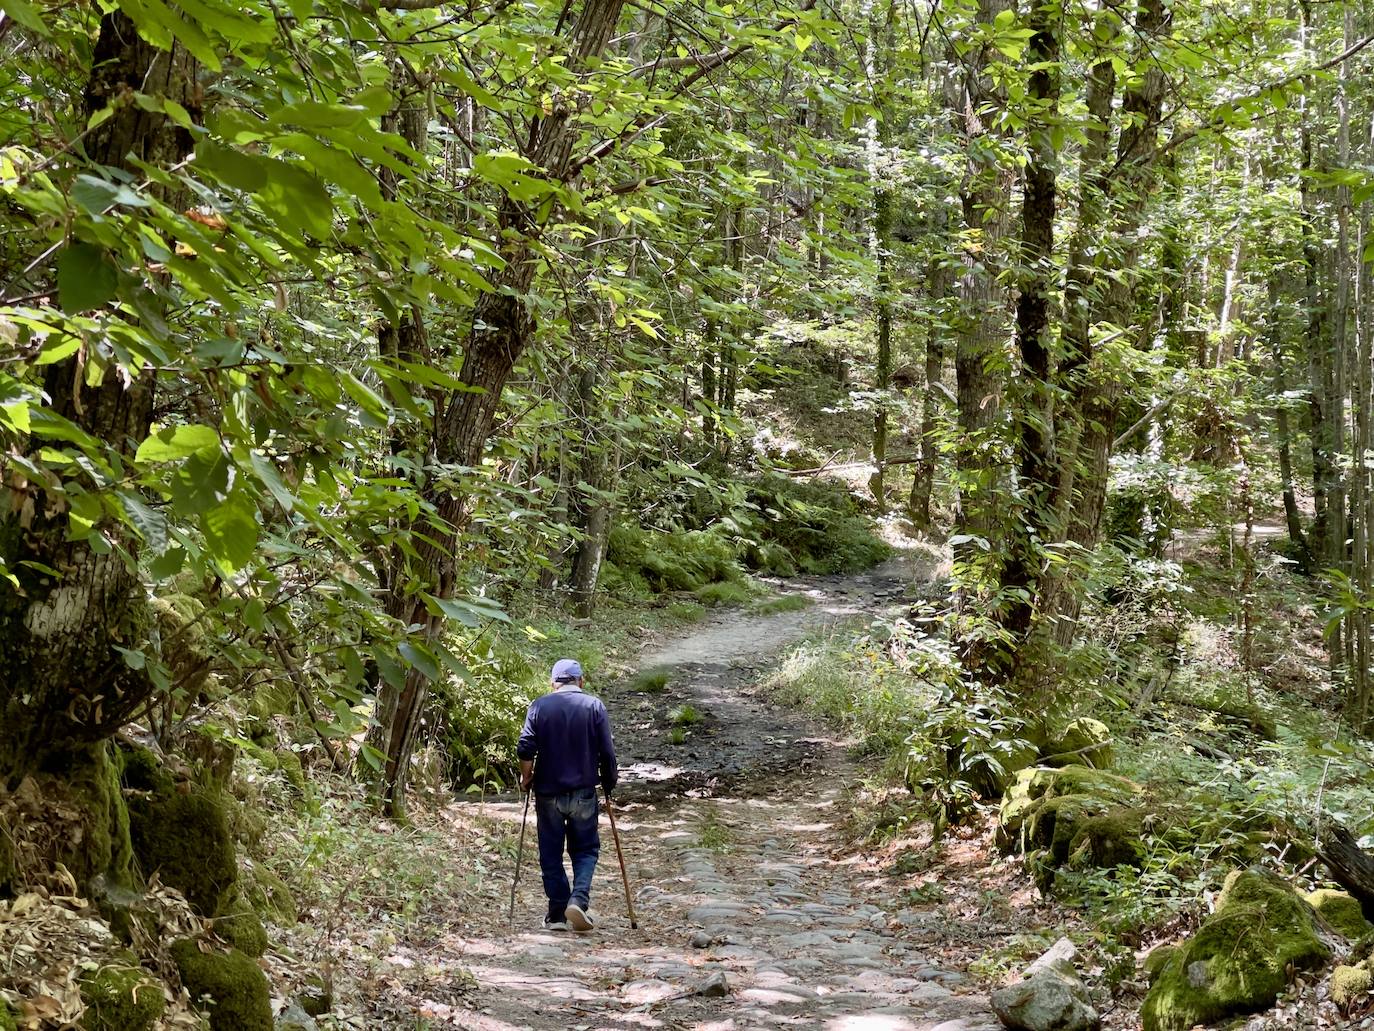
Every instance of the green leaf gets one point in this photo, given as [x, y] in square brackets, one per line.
[150, 523]
[468, 611]
[246, 172]
[173, 442]
[26, 14]
[85, 279]
[297, 200]
[421, 658]
[231, 532]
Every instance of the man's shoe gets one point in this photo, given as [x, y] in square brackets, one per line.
[578, 918]
[555, 925]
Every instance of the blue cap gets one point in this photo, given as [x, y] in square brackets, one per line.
[566, 671]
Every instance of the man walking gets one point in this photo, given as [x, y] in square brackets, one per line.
[565, 750]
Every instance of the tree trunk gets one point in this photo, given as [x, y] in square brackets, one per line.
[501, 329]
[1033, 522]
[941, 283]
[985, 201]
[69, 688]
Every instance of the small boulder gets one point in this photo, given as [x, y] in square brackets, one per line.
[714, 987]
[701, 940]
[1085, 742]
[1342, 912]
[242, 928]
[1049, 998]
[1349, 985]
[316, 996]
[230, 983]
[121, 997]
[1241, 957]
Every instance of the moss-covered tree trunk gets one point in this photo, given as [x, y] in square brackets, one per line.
[65, 687]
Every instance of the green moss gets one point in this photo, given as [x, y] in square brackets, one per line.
[229, 983]
[1107, 841]
[1156, 961]
[1033, 785]
[1349, 985]
[242, 928]
[1085, 742]
[89, 787]
[269, 896]
[1240, 958]
[7, 1021]
[724, 593]
[121, 997]
[1341, 911]
[183, 835]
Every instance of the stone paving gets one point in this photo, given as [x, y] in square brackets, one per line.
[750, 916]
[748, 919]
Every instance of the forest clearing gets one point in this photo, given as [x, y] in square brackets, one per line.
[895, 477]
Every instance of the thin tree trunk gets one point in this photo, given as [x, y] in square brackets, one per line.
[985, 202]
[1033, 522]
[502, 326]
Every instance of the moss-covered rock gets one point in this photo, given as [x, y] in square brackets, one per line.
[1109, 840]
[181, 832]
[268, 894]
[242, 928]
[1240, 958]
[7, 1021]
[84, 796]
[121, 997]
[1341, 911]
[1349, 985]
[229, 984]
[1033, 787]
[1084, 742]
[316, 997]
[1156, 961]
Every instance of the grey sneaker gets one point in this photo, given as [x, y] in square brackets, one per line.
[555, 925]
[578, 918]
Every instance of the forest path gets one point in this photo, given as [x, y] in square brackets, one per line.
[751, 915]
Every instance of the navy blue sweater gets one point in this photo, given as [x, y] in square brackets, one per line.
[568, 734]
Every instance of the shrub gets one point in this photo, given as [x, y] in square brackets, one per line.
[812, 526]
[671, 561]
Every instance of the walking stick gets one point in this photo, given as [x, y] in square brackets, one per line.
[519, 854]
[619, 854]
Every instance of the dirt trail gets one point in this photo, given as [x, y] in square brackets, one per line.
[750, 916]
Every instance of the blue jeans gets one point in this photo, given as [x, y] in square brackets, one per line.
[569, 819]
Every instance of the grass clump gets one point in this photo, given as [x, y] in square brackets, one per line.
[714, 834]
[650, 681]
[723, 593]
[677, 736]
[684, 715]
[787, 603]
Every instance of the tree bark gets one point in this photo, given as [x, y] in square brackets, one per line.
[1033, 523]
[63, 631]
[501, 329]
[985, 202]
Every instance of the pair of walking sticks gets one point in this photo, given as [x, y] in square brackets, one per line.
[619, 854]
